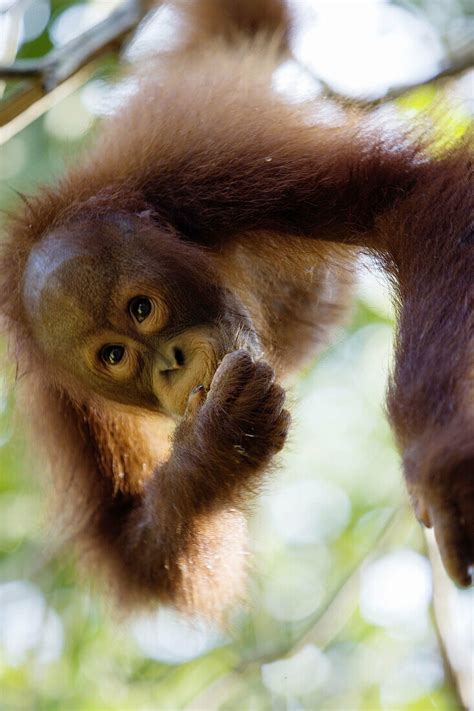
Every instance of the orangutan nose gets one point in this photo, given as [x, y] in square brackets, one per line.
[178, 357]
[170, 359]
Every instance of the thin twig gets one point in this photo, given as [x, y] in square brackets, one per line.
[455, 651]
[321, 628]
[70, 62]
[32, 103]
[48, 73]
[458, 65]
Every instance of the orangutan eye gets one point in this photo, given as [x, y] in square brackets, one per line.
[112, 355]
[140, 308]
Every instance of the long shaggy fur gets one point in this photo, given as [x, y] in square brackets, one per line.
[277, 207]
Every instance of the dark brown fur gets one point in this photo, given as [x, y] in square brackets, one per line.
[275, 207]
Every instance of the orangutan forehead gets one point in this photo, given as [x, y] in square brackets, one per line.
[63, 269]
[66, 289]
[45, 260]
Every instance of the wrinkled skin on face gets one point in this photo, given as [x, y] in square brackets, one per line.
[113, 305]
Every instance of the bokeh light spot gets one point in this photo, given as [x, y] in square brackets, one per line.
[395, 590]
[301, 674]
[173, 638]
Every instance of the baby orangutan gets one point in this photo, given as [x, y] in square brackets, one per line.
[195, 255]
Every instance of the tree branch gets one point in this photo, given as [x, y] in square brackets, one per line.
[458, 64]
[72, 63]
[70, 66]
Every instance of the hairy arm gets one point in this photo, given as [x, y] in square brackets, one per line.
[430, 257]
[181, 540]
[414, 210]
[209, 147]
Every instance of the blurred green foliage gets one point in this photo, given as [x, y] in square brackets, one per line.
[335, 548]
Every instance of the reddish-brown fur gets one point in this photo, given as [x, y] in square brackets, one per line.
[275, 206]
